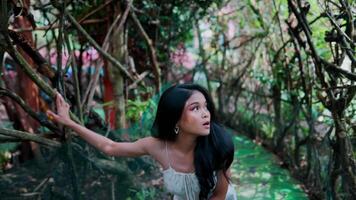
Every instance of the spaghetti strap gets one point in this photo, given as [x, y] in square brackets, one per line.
[169, 161]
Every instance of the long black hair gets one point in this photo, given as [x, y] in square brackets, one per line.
[213, 152]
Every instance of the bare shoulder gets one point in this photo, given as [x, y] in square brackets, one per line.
[151, 144]
[155, 148]
[150, 140]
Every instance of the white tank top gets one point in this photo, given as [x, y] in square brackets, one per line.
[182, 185]
[185, 186]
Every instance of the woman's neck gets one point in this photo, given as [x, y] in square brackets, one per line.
[185, 143]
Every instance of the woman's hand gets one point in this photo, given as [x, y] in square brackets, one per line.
[62, 115]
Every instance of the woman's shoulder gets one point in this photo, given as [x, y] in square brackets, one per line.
[151, 140]
[155, 148]
[152, 143]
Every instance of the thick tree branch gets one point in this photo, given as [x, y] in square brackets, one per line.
[110, 165]
[19, 59]
[315, 55]
[331, 68]
[337, 27]
[29, 136]
[41, 119]
[44, 67]
[4, 138]
[10, 135]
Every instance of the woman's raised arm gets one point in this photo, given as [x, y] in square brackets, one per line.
[107, 146]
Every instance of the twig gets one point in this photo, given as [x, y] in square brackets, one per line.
[75, 78]
[94, 11]
[140, 78]
[98, 48]
[105, 44]
[122, 20]
[333, 68]
[44, 181]
[30, 194]
[339, 87]
[156, 68]
[89, 93]
[59, 46]
[46, 28]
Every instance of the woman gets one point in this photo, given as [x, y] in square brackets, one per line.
[193, 149]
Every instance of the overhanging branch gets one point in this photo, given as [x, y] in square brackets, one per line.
[42, 120]
[29, 136]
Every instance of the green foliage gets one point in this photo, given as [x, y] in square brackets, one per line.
[246, 114]
[144, 194]
[142, 116]
[168, 23]
[145, 115]
[135, 109]
[6, 148]
[5, 155]
[262, 77]
[268, 128]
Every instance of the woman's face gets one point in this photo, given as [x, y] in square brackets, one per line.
[196, 116]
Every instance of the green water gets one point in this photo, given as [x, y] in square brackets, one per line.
[256, 174]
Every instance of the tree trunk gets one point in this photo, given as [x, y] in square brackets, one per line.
[344, 156]
[114, 81]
